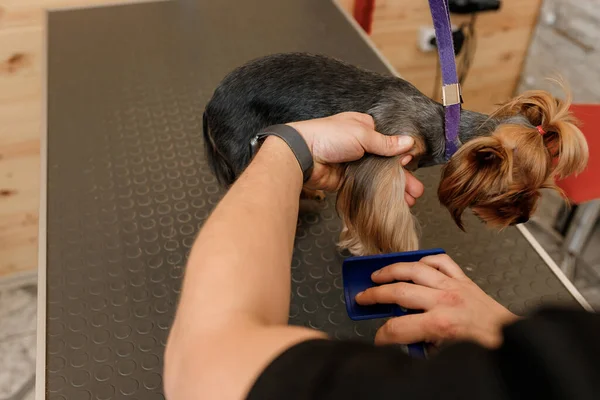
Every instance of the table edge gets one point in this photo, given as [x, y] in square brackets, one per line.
[40, 380]
[40, 359]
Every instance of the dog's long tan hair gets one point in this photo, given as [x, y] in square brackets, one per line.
[499, 176]
[371, 204]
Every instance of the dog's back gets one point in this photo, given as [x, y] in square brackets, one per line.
[279, 89]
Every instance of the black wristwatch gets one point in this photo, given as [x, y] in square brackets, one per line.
[293, 139]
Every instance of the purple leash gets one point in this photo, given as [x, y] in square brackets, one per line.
[451, 91]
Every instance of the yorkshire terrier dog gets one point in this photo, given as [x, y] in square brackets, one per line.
[503, 161]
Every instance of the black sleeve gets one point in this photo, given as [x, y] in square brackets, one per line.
[553, 355]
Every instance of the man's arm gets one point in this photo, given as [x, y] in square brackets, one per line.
[233, 312]
[238, 280]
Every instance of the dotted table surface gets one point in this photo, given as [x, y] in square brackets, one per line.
[129, 188]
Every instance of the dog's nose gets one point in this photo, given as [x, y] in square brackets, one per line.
[521, 220]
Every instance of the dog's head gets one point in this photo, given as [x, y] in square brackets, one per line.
[500, 176]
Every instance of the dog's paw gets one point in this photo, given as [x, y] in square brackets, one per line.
[320, 195]
[310, 194]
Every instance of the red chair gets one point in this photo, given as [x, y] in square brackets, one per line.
[363, 13]
[583, 191]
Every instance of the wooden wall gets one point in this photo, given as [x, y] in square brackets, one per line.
[566, 43]
[504, 38]
[21, 53]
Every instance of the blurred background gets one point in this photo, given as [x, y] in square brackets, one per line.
[500, 52]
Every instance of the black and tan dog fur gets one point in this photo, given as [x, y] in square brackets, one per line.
[498, 171]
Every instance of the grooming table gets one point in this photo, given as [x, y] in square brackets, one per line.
[126, 188]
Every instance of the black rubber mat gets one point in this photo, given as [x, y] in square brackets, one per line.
[128, 186]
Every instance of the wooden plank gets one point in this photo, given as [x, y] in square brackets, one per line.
[347, 4]
[503, 40]
[20, 127]
[20, 63]
[19, 205]
[21, 40]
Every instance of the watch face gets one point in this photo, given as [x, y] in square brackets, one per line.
[293, 140]
[254, 145]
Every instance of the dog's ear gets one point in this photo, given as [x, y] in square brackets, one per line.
[480, 169]
[371, 203]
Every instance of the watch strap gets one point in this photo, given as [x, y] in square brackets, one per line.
[293, 139]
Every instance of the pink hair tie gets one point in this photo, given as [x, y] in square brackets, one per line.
[541, 130]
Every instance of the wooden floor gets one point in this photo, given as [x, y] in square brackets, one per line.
[502, 45]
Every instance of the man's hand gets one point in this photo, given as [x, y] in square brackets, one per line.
[455, 308]
[347, 137]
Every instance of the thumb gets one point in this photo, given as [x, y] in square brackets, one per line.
[385, 145]
[406, 329]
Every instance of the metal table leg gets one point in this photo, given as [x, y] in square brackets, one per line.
[578, 234]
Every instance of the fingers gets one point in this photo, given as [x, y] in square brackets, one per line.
[431, 271]
[384, 145]
[409, 199]
[325, 177]
[431, 327]
[405, 330]
[444, 264]
[364, 119]
[404, 294]
[414, 187]
[417, 272]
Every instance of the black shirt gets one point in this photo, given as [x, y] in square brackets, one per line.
[553, 355]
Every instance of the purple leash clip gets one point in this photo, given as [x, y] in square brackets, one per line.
[451, 91]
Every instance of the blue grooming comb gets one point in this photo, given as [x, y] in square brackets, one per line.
[356, 273]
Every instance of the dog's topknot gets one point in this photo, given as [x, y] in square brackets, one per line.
[499, 176]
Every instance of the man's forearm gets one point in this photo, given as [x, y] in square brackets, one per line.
[232, 317]
[233, 313]
[249, 272]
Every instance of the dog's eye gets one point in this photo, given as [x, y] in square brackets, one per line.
[519, 196]
[503, 211]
